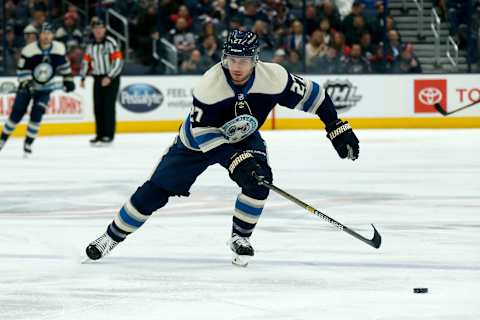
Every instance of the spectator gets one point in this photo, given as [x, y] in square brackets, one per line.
[356, 63]
[329, 11]
[359, 27]
[196, 64]
[183, 39]
[266, 42]
[251, 13]
[311, 22]
[209, 48]
[329, 63]
[294, 63]
[280, 57]
[378, 61]
[12, 50]
[406, 62]
[182, 12]
[367, 46]
[38, 18]
[147, 32]
[294, 40]
[393, 46]
[390, 24]
[208, 29]
[165, 9]
[315, 48]
[347, 24]
[326, 29]
[339, 44]
[281, 21]
[68, 33]
[30, 34]
[378, 23]
[75, 55]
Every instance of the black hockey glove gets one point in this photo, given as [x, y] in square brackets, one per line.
[343, 139]
[26, 86]
[243, 168]
[69, 85]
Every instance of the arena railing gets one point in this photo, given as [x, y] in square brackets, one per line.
[121, 37]
[435, 25]
[453, 59]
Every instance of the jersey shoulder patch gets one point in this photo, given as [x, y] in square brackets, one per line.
[270, 78]
[213, 86]
[58, 48]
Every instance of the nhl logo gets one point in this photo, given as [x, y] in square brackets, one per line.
[343, 94]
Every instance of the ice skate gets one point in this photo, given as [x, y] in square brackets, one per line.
[100, 247]
[242, 250]
[105, 142]
[95, 142]
[27, 150]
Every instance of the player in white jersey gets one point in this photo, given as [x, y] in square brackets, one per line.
[230, 103]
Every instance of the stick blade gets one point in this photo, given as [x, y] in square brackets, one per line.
[377, 238]
[440, 110]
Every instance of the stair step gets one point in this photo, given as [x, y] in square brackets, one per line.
[443, 32]
[442, 60]
[409, 12]
[409, 5]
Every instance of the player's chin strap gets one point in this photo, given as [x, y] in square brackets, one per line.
[374, 242]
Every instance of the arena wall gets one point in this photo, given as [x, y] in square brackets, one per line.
[155, 104]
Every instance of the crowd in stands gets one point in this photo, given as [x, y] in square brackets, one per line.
[320, 38]
[464, 21]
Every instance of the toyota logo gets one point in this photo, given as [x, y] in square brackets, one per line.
[430, 95]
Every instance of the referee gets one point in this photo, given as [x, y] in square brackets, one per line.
[104, 60]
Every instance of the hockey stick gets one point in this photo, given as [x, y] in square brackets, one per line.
[443, 112]
[374, 242]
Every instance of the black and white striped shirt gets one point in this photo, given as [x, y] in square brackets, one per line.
[103, 58]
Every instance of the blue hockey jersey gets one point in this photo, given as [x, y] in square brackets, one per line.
[41, 66]
[224, 114]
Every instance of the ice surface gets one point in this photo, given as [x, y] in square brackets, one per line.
[420, 188]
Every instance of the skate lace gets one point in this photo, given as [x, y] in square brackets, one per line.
[105, 244]
[241, 241]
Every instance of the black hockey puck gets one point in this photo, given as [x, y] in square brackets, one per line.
[420, 290]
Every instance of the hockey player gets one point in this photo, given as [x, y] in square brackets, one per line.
[40, 61]
[230, 103]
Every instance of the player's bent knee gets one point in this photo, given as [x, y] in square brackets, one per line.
[256, 192]
[149, 198]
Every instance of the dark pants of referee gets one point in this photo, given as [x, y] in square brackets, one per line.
[104, 99]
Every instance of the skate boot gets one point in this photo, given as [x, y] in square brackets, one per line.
[242, 250]
[27, 150]
[100, 247]
[95, 142]
[2, 143]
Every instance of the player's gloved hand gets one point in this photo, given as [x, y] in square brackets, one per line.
[244, 170]
[343, 139]
[26, 86]
[69, 85]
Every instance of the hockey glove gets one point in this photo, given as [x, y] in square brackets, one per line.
[243, 168]
[26, 86]
[343, 139]
[69, 85]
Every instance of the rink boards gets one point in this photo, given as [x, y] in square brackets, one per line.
[160, 103]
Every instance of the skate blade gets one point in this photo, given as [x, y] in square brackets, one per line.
[240, 261]
[87, 260]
